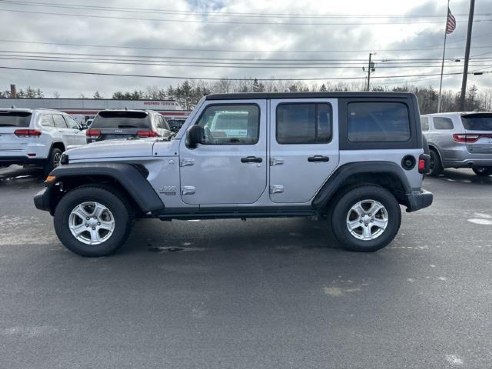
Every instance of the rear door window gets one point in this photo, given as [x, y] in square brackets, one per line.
[15, 119]
[477, 122]
[299, 123]
[378, 122]
[122, 119]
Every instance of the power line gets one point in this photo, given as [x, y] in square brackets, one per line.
[216, 13]
[386, 61]
[273, 63]
[225, 51]
[216, 65]
[222, 22]
[215, 78]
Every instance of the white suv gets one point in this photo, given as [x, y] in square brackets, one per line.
[37, 136]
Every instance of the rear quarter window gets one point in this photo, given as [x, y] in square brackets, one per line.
[15, 119]
[442, 123]
[378, 122]
[123, 119]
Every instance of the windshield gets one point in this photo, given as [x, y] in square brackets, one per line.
[15, 119]
[477, 122]
[121, 119]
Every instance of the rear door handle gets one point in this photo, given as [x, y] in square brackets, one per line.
[316, 158]
[251, 159]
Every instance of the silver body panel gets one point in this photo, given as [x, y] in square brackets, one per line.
[213, 176]
[217, 173]
[290, 168]
[454, 154]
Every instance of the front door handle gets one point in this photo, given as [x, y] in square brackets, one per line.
[316, 158]
[251, 159]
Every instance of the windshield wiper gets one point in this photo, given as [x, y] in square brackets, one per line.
[7, 125]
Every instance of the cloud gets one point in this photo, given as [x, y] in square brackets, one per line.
[206, 30]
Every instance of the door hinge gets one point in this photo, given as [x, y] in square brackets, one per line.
[188, 190]
[276, 189]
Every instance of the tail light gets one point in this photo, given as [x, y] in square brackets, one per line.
[93, 133]
[147, 133]
[465, 138]
[424, 161]
[27, 133]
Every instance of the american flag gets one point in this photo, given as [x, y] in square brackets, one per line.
[450, 23]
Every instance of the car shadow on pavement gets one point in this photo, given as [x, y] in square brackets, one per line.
[463, 176]
[16, 173]
[278, 235]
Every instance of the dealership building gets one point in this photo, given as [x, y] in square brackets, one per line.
[83, 109]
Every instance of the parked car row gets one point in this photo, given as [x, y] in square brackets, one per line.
[459, 140]
[40, 136]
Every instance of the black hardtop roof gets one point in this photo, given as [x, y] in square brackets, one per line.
[307, 95]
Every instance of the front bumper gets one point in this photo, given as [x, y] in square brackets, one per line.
[418, 200]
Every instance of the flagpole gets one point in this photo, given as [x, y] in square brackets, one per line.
[439, 98]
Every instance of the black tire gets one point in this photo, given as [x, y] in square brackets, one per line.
[53, 160]
[435, 165]
[341, 213]
[482, 171]
[119, 214]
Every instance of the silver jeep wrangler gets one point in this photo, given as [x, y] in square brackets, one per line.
[352, 158]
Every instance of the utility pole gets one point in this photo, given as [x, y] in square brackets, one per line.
[467, 55]
[370, 68]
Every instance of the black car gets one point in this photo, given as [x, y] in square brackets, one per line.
[123, 124]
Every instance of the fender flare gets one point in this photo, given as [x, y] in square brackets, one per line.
[129, 176]
[339, 177]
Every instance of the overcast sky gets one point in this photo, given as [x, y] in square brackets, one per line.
[215, 38]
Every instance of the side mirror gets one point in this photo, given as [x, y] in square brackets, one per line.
[82, 126]
[194, 136]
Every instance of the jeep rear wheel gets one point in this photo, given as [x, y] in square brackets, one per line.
[92, 221]
[366, 218]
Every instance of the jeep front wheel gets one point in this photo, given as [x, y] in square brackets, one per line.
[366, 218]
[92, 221]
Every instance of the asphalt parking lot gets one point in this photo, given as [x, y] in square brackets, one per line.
[255, 294]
